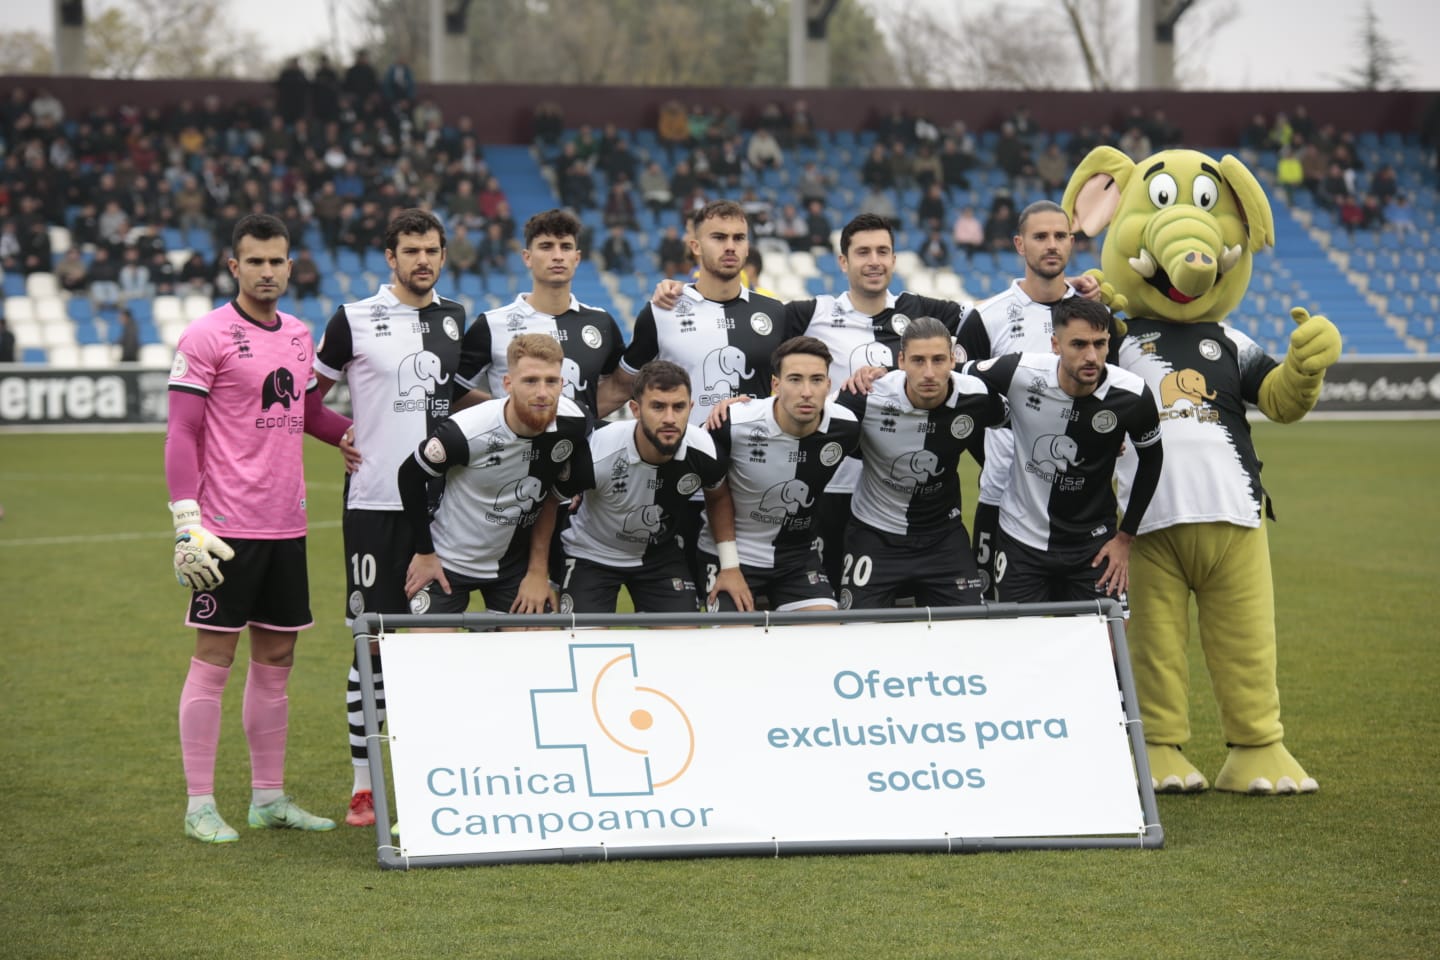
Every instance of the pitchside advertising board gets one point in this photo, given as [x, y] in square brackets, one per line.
[507, 742]
[40, 397]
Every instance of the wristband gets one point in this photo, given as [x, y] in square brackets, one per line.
[185, 513]
[728, 553]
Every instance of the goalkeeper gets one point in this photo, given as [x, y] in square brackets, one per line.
[234, 467]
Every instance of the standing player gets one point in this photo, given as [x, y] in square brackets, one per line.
[234, 465]
[589, 336]
[399, 350]
[721, 333]
[1069, 416]
[862, 327]
[500, 460]
[782, 451]
[907, 528]
[640, 480]
[1011, 322]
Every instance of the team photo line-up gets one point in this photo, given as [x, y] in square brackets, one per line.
[784, 456]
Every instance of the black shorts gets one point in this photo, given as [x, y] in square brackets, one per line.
[796, 581]
[689, 518]
[378, 548]
[1025, 574]
[266, 585]
[878, 566]
[660, 585]
[498, 592]
[834, 517]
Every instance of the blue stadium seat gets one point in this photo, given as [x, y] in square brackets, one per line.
[80, 309]
[86, 332]
[498, 285]
[347, 261]
[14, 284]
[471, 285]
[34, 355]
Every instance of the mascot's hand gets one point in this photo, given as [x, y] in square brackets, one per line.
[1314, 343]
[1292, 389]
[1116, 301]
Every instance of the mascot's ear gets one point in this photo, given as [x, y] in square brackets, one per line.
[1254, 206]
[1093, 194]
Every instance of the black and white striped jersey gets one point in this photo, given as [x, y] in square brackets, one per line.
[400, 364]
[495, 482]
[629, 509]
[725, 347]
[858, 340]
[1009, 322]
[1060, 490]
[590, 337]
[908, 483]
[776, 478]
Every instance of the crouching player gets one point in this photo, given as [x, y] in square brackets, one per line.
[906, 529]
[500, 459]
[1070, 413]
[782, 451]
[639, 480]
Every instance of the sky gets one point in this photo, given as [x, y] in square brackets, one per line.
[1272, 44]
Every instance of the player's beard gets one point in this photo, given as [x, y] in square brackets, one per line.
[661, 447]
[532, 421]
[409, 283]
[719, 271]
[1044, 271]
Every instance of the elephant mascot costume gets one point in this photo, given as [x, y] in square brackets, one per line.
[1182, 231]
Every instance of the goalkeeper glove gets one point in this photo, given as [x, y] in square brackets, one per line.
[196, 549]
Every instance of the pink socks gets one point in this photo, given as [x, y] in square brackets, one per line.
[266, 718]
[200, 724]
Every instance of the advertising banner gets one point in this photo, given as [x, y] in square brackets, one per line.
[42, 397]
[1390, 385]
[38, 397]
[503, 742]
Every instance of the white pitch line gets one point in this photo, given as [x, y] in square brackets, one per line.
[117, 537]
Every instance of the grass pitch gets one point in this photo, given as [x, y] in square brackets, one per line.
[92, 655]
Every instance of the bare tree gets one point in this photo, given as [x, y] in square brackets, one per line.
[172, 38]
[1043, 44]
[718, 43]
[25, 52]
[1006, 46]
[1382, 65]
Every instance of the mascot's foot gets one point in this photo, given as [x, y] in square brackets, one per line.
[1170, 772]
[1264, 770]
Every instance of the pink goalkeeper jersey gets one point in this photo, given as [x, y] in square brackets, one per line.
[251, 448]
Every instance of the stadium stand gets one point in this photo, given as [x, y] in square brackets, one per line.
[101, 180]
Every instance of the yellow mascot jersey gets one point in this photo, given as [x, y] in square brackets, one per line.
[1202, 375]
